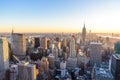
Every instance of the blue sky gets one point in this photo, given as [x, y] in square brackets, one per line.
[59, 15]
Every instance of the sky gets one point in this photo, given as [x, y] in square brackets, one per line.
[59, 15]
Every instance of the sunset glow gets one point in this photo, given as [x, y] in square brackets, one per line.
[59, 15]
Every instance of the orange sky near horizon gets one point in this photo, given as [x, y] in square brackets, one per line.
[50, 30]
[56, 16]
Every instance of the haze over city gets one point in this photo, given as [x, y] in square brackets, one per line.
[59, 40]
[59, 15]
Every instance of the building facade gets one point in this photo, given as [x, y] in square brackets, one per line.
[95, 53]
[4, 57]
[83, 35]
[19, 44]
[115, 66]
[72, 48]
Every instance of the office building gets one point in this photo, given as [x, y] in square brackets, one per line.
[82, 59]
[64, 43]
[115, 66]
[36, 42]
[43, 43]
[26, 71]
[19, 45]
[71, 63]
[51, 60]
[57, 45]
[95, 53]
[117, 47]
[56, 53]
[44, 65]
[4, 57]
[72, 48]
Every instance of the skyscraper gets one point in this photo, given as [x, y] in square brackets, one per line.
[43, 43]
[72, 48]
[64, 43]
[115, 66]
[83, 35]
[37, 42]
[19, 45]
[117, 47]
[95, 53]
[26, 71]
[4, 56]
[72, 60]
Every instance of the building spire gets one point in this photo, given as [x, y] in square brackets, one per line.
[84, 24]
[12, 31]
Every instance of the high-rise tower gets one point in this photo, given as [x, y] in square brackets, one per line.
[95, 53]
[72, 48]
[83, 35]
[19, 45]
[4, 57]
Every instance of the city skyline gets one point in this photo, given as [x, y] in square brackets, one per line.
[59, 15]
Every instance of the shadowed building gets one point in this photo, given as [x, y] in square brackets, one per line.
[95, 53]
[36, 42]
[115, 66]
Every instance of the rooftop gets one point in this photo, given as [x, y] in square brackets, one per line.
[117, 56]
[97, 43]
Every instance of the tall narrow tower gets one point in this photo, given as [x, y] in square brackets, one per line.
[12, 38]
[4, 57]
[83, 35]
[72, 48]
[12, 31]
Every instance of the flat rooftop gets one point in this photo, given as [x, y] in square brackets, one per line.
[117, 56]
[96, 43]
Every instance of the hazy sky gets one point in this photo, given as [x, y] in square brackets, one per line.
[59, 15]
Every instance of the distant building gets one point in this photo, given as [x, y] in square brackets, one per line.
[72, 48]
[43, 69]
[64, 43]
[36, 42]
[55, 48]
[57, 45]
[115, 66]
[83, 35]
[117, 47]
[19, 45]
[78, 39]
[82, 59]
[43, 43]
[65, 56]
[44, 64]
[95, 53]
[4, 57]
[56, 53]
[71, 63]
[51, 59]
